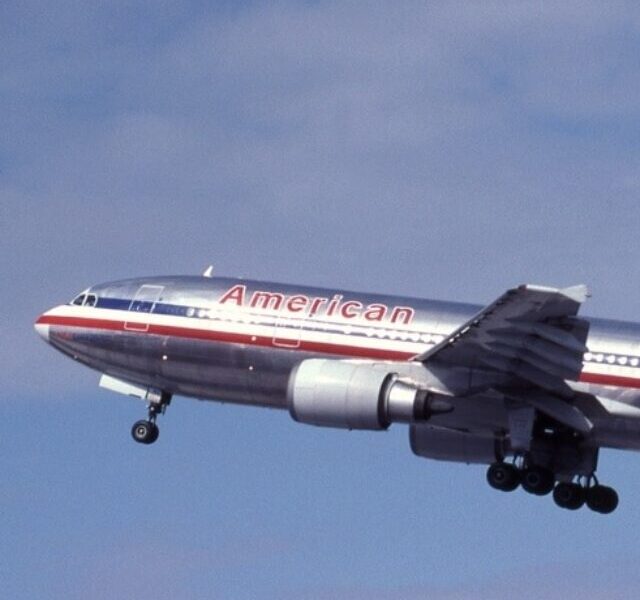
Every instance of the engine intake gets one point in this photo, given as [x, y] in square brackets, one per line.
[357, 395]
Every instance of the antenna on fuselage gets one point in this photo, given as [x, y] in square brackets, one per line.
[208, 271]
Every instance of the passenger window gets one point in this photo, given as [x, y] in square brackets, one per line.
[91, 300]
[79, 300]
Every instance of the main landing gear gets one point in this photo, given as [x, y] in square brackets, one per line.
[146, 431]
[540, 481]
[507, 477]
[599, 498]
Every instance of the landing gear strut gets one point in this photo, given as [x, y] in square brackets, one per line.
[146, 431]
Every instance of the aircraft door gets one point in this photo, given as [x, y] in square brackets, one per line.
[143, 302]
[287, 331]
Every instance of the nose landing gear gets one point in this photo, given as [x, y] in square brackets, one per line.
[146, 431]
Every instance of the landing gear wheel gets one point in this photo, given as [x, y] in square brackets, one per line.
[537, 480]
[569, 495]
[602, 499]
[145, 432]
[503, 477]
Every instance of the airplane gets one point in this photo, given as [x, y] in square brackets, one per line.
[523, 385]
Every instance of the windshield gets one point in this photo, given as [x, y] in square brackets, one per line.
[91, 300]
[79, 300]
[85, 299]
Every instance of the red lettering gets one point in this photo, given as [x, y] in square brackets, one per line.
[402, 312]
[235, 294]
[297, 303]
[333, 304]
[375, 312]
[351, 309]
[267, 298]
[315, 304]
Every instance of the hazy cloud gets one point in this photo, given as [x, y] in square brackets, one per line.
[433, 141]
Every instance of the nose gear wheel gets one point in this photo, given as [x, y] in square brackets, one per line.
[146, 431]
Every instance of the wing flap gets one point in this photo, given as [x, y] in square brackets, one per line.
[533, 340]
[537, 347]
[558, 336]
[544, 364]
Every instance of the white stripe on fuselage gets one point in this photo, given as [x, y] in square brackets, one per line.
[339, 332]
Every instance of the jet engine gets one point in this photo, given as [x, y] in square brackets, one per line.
[439, 443]
[357, 395]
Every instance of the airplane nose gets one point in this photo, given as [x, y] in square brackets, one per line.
[42, 329]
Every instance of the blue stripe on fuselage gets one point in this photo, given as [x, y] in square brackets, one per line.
[159, 309]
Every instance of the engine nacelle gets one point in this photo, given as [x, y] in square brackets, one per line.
[356, 395]
[439, 443]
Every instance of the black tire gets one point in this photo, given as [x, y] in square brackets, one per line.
[602, 499]
[537, 480]
[503, 477]
[155, 432]
[145, 432]
[569, 495]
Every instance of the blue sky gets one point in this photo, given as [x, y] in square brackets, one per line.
[429, 149]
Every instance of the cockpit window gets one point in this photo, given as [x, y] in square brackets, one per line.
[85, 299]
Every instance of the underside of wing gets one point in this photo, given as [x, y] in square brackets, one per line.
[530, 337]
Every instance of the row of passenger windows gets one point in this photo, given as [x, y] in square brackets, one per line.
[312, 324]
[612, 359]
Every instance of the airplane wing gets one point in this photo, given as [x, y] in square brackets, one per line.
[532, 339]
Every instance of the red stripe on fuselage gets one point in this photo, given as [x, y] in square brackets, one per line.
[614, 380]
[228, 337]
[267, 342]
[81, 322]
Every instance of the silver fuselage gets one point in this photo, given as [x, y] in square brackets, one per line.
[237, 341]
